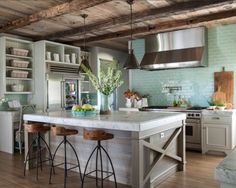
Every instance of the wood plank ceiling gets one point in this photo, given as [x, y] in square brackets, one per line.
[108, 21]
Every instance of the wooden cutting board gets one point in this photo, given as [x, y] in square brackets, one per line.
[224, 82]
[219, 97]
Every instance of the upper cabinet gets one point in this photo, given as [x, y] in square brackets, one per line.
[17, 63]
[55, 56]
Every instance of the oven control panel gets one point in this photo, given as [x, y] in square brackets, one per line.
[194, 115]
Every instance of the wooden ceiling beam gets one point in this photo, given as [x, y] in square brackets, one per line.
[164, 26]
[64, 8]
[175, 9]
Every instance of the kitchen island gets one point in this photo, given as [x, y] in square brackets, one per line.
[147, 146]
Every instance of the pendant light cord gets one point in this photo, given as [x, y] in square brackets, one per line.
[84, 33]
[131, 25]
[84, 16]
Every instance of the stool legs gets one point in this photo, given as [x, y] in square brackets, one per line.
[39, 160]
[65, 142]
[111, 165]
[99, 148]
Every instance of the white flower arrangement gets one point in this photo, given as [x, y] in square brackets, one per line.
[108, 81]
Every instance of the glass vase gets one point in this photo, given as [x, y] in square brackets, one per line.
[105, 107]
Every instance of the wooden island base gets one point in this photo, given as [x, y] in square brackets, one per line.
[146, 149]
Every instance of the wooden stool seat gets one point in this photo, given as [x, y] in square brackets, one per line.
[97, 135]
[61, 131]
[36, 128]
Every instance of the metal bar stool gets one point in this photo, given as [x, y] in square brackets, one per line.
[38, 129]
[61, 131]
[98, 135]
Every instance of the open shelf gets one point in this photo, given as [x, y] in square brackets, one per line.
[18, 68]
[62, 63]
[16, 65]
[17, 56]
[10, 78]
[16, 92]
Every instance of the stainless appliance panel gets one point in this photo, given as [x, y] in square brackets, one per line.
[54, 93]
[62, 92]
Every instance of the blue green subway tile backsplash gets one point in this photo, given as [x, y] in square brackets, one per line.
[197, 84]
[23, 99]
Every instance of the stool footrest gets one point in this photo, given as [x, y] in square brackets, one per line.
[45, 160]
[67, 164]
[107, 172]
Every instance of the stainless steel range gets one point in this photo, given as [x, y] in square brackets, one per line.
[193, 123]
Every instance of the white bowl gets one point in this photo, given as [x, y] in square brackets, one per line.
[221, 108]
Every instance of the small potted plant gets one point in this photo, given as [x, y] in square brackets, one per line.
[212, 105]
[129, 96]
[220, 106]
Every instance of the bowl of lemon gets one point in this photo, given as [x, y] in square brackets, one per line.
[85, 110]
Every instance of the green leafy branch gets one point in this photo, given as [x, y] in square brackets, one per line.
[108, 81]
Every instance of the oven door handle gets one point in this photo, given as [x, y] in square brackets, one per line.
[215, 118]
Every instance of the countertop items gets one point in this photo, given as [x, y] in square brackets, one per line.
[224, 82]
[135, 134]
[225, 172]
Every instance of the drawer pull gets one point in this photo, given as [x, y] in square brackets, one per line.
[215, 118]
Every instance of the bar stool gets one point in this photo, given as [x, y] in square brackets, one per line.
[38, 129]
[98, 135]
[61, 131]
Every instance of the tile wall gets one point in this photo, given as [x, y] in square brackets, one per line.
[197, 84]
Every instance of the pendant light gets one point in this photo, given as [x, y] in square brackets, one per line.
[131, 62]
[85, 59]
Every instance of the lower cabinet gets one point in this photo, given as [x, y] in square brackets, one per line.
[218, 132]
[9, 124]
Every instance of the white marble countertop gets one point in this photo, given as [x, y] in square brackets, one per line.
[220, 112]
[226, 170]
[125, 121]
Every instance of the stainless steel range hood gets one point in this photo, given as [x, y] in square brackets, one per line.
[177, 49]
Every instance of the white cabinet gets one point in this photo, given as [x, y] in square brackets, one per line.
[9, 123]
[17, 62]
[218, 131]
[53, 60]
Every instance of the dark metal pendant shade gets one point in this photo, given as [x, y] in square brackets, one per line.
[131, 62]
[86, 63]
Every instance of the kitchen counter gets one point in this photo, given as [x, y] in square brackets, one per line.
[226, 171]
[220, 112]
[124, 121]
[135, 135]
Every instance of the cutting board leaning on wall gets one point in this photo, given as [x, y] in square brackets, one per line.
[224, 83]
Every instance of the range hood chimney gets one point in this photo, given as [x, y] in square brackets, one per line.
[176, 49]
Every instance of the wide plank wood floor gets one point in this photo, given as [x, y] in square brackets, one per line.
[199, 174]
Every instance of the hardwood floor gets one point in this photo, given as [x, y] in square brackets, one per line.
[199, 174]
